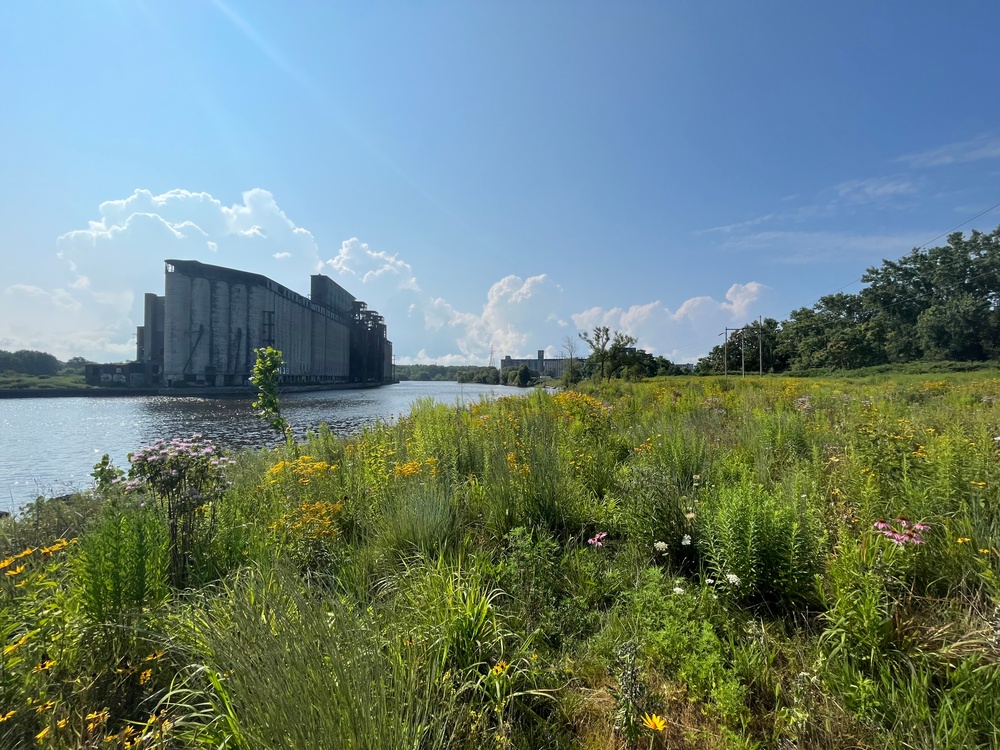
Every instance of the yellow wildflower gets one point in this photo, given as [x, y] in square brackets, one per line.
[14, 646]
[15, 571]
[43, 734]
[963, 539]
[144, 677]
[96, 719]
[7, 715]
[654, 721]
[409, 469]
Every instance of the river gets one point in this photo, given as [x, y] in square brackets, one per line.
[48, 446]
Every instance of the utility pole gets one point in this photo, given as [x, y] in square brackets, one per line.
[743, 363]
[760, 342]
[725, 352]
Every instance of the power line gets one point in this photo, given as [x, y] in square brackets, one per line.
[955, 262]
[932, 239]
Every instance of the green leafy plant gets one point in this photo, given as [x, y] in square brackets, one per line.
[266, 376]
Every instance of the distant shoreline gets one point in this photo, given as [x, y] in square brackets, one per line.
[193, 392]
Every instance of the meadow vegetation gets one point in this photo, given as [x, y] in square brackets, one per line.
[683, 562]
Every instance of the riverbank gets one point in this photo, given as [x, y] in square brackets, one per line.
[48, 446]
[191, 392]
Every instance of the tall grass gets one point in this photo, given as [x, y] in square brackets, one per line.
[736, 560]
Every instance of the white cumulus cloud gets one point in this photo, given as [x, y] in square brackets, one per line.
[359, 261]
[119, 255]
[681, 335]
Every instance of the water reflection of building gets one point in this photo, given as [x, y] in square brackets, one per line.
[210, 320]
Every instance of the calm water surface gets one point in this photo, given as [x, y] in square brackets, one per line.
[49, 446]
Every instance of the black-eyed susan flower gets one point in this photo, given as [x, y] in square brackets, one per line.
[42, 666]
[654, 721]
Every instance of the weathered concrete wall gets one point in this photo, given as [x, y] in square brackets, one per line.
[176, 326]
[214, 318]
[239, 325]
[201, 326]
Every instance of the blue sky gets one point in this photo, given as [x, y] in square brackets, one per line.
[486, 175]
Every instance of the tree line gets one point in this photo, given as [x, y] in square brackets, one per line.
[941, 303]
[30, 362]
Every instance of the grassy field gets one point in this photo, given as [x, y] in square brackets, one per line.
[684, 563]
[16, 381]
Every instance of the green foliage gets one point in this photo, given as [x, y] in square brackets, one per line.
[535, 571]
[124, 564]
[933, 304]
[420, 521]
[13, 381]
[273, 668]
[610, 352]
[30, 362]
[487, 375]
[429, 372]
[186, 478]
[761, 544]
[265, 377]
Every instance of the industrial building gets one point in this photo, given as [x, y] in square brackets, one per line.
[205, 329]
[551, 367]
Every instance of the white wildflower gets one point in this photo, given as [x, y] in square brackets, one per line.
[686, 540]
[660, 547]
[709, 581]
[733, 579]
[678, 590]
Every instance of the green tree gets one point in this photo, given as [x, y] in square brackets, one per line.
[598, 343]
[30, 362]
[839, 332]
[954, 329]
[622, 353]
[609, 352]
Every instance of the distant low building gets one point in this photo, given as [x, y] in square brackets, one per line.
[210, 320]
[552, 367]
